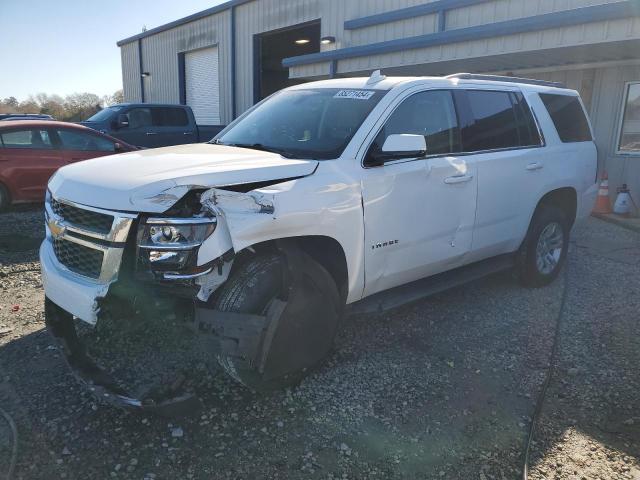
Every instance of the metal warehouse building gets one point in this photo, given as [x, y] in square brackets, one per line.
[222, 60]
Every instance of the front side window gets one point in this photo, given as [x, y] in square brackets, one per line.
[431, 114]
[494, 125]
[31, 138]
[139, 117]
[568, 117]
[311, 123]
[630, 130]
[80, 141]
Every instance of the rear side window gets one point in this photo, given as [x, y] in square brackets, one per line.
[494, 126]
[568, 117]
[169, 117]
[32, 138]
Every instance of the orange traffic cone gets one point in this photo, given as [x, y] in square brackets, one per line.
[602, 203]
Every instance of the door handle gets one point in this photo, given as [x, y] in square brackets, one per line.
[187, 133]
[458, 179]
[151, 133]
[534, 166]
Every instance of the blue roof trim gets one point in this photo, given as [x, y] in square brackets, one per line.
[191, 18]
[610, 11]
[409, 12]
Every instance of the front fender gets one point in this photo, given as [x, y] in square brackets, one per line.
[311, 206]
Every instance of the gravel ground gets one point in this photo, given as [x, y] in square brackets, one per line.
[442, 389]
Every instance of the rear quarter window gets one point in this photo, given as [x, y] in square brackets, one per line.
[568, 117]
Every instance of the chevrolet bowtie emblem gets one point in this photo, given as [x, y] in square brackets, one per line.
[56, 229]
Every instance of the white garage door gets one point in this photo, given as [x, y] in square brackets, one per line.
[202, 85]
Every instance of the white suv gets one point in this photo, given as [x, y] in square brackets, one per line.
[360, 192]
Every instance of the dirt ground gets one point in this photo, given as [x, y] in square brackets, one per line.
[444, 388]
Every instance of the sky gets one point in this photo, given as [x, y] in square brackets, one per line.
[68, 46]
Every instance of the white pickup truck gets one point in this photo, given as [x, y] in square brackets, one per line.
[363, 193]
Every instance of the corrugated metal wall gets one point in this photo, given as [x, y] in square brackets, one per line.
[606, 109]
[258, 16]
[130, 72]
[160, 59]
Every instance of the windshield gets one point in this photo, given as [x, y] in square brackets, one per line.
[314, 123]
[104, 114]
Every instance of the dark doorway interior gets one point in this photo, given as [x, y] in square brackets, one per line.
[271, 48]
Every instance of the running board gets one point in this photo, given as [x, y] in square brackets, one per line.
[423, 288]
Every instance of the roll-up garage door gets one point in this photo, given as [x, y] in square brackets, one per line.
[202, 85]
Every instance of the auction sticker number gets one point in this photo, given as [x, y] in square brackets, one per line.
[354, 94]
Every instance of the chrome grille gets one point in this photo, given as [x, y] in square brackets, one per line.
[78, 258]
[93, 221]
[87, 241]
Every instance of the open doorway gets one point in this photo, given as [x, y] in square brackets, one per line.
[270, 48]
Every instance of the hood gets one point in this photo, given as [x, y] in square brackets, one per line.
[153, 180]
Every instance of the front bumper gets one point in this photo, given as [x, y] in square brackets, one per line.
[74, 293]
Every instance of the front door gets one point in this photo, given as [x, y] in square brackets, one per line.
[140, 131]
[419, 213]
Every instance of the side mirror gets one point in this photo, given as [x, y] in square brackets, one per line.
[123, 120]
[398, 146]
[117, 146]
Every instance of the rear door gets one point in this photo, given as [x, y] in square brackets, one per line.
[77, 145]
[172, 126]
[503, 139]
[31, 158]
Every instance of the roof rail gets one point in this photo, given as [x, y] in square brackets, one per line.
[501, 78]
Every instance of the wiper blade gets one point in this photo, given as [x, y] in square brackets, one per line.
[261, 147]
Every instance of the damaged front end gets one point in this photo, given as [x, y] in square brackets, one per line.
[147, 339]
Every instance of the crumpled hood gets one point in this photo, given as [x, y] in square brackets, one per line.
[153, 180]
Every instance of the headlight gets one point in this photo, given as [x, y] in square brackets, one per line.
[171, 244]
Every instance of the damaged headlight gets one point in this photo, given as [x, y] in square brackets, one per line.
[170, 245]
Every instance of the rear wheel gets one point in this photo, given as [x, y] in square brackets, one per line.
[544, 251]
[304, 334]
[5, 199]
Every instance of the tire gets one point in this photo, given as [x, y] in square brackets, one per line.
[544, 250]
[251, 289]
[5, 198]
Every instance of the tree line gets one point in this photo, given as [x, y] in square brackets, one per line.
[72, 108]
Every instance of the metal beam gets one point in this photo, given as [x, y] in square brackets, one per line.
[233, 63]
[409, 12]
[610, 11]
[140, 67]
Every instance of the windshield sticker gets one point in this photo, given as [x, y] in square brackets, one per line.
[354, 94]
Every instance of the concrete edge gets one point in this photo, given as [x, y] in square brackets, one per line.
[616, 221]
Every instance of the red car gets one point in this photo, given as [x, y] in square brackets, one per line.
[32, 150]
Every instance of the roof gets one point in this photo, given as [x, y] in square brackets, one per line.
[40, 123]
[188, 19]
